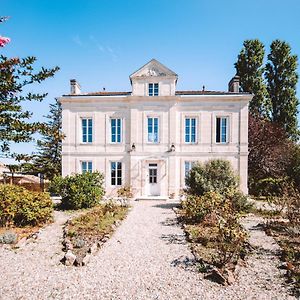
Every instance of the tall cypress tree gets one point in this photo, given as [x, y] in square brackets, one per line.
[48, 158]
[249, 67]
[282, 77]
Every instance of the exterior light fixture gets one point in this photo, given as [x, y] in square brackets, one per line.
[133, 147]
[172, 149]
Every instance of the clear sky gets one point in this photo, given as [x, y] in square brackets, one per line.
[101, 42]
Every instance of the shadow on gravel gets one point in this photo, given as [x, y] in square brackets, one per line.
[170, 222]
[174, 238]
[166, 205]
[184, 262]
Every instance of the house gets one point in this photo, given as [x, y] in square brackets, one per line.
[150, 137]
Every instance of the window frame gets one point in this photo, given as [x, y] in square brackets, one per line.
[221, 142]
[116, 133]
[153, 127]
[89, 166]
[154, 88]
[116, 180]
[190, 118]
[88, 135]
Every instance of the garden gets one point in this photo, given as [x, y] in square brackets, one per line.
[91, 219]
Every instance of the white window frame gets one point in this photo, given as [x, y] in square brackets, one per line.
[87, 130]
[87, 162]
[152, 85]
[121, 130]
[158, 129]
[116, 177]
[227, 129]
[190, 134]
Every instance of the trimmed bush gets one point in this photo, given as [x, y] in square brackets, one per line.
[79, 190]
[20, 207]
[215, 175]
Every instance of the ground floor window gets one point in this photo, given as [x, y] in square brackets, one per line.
[86, 166]
[116, 173]
[187, 167]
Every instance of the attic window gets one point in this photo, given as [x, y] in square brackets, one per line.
[153, 89]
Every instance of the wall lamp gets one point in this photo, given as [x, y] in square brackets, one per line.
[132, 148]
[172, 149]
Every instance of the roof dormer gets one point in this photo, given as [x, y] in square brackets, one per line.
[153, 79]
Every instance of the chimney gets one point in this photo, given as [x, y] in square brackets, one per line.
[234, 84]
[75, 87]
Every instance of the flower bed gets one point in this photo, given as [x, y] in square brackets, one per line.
[85, 234]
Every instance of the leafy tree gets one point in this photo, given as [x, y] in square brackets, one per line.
[249, 67]
[269, 154]
[48, 158]
[282, 77]
[15, 121]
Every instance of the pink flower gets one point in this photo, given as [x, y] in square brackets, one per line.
[4, 41]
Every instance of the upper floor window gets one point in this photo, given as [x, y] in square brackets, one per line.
[86, 166]
[190, 130]
[222, 130]
[87, 130]
[152, 130]
[153, 89]
[116, 173]
[116, 130]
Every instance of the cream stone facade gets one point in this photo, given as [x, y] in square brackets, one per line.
[149, 138]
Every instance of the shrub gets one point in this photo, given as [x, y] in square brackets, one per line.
[238, 200]
[215, 228]
[195, 208]
[125, 192]
[79, 190]
[21, 207]
[215, 175]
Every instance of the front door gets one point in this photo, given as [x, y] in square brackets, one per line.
[153, 180]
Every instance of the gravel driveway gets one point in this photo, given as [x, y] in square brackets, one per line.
[147, 258]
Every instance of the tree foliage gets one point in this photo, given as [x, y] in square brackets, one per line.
[281, 75]
[15, 122]
[48, 159]
[269, 153]
[249, 67]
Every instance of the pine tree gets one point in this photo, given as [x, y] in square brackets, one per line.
[48, 159]
[15, 122]
[281, 79]
[249, 67]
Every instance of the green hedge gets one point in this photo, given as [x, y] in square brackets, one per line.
[20, 207]
[79, 190]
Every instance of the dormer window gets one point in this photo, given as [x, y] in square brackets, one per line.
[153, 89]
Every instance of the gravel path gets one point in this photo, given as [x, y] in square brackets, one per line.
[147, 258]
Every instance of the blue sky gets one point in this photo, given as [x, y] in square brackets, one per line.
[101, 42]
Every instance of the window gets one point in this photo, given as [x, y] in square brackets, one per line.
[116, 129]
[152, 173]
[86, 166]
[187, 167]
[222, 130]
[87, 130]
[152, 130]
[190, 130]
[153, 89]
[116, 173]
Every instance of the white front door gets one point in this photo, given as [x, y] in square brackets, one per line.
[153, 183]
